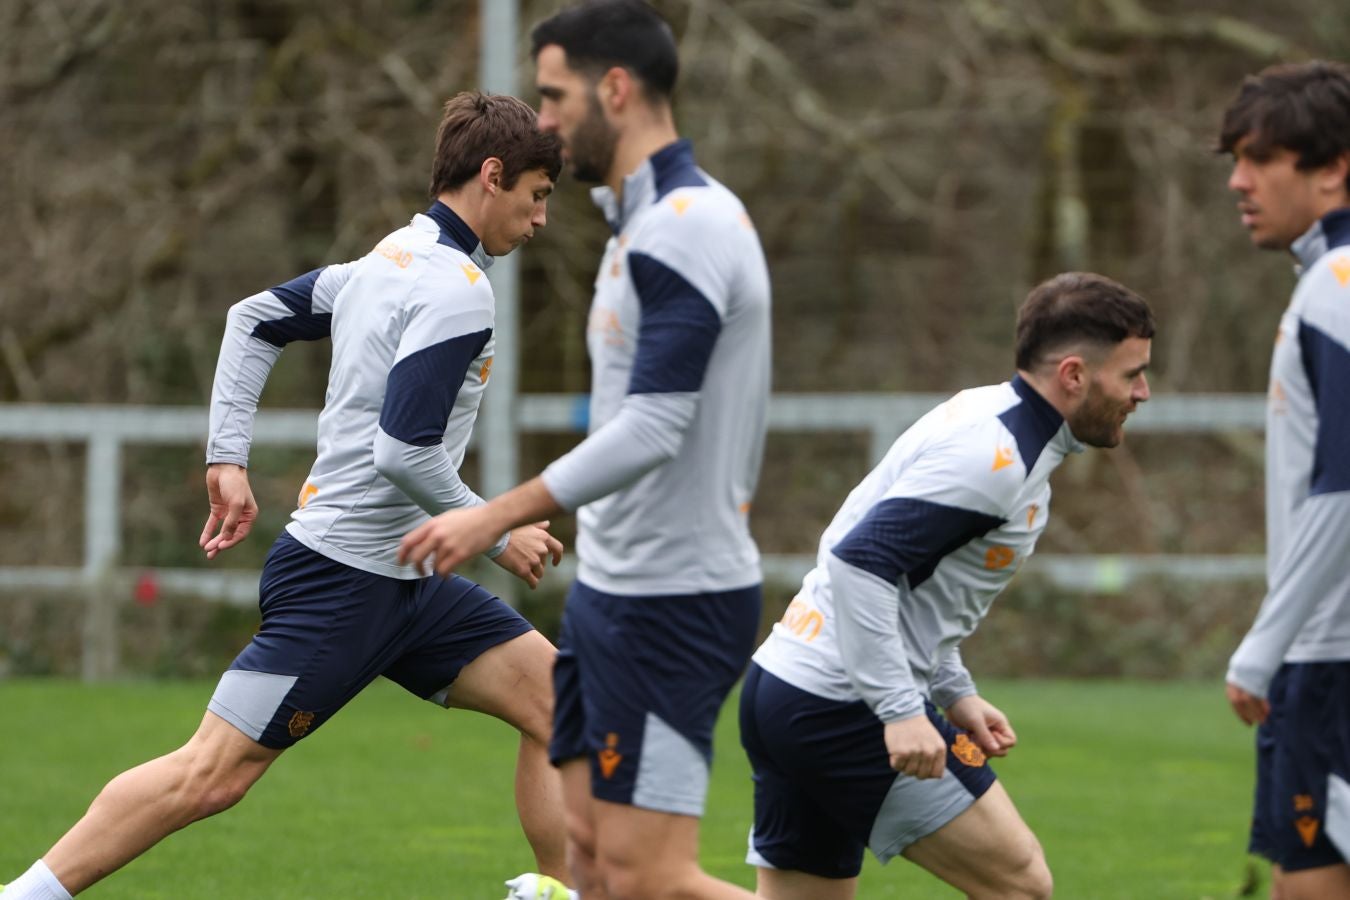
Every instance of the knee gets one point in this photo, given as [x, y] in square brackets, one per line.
[581, 853]
[1032, 880]
[634, 881]
[207, 786]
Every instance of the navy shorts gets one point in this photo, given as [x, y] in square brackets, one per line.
[824, 786]
[1301, 745]
[638, 685]
[328, 630]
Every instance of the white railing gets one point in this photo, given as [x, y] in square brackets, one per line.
[106, 429]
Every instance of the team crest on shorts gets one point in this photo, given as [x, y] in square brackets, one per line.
[299, 724]
[966, 750]
[610, 757]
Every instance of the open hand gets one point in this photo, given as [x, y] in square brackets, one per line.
[233, 509]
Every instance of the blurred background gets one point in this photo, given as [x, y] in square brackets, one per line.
[913, 169]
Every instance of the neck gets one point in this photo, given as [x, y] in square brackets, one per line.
[467, 207]
[1049, 390]
[637, 142]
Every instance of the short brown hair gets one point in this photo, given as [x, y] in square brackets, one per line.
[1077, 308]
[479, 126]
[1303, 107]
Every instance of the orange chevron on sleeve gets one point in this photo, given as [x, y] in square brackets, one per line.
[471, 272]
[1003, 457]
[1340, 267]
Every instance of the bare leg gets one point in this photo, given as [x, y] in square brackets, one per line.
[576, 776]
[1322, 883]
[646, 855]
[142, 806]
[514, 682]
[783, 884]
[987, 851]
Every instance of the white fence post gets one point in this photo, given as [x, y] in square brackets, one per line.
[100, 634]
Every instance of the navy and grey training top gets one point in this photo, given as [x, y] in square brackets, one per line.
[411, 324]
[1305, 616]
[679, 344]
[918, 552]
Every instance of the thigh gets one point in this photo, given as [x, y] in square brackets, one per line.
[326, 633]
[453, 623]
[652, 674]
[772, 884]
[1312, 884]
[511, 681]
[987, 844]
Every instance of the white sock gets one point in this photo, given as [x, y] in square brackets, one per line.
[38, 883]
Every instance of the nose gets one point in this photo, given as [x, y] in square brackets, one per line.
[1239, 180]
[540, 217]
[548, 122]
[1141, 392]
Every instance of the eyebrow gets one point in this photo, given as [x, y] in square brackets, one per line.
[549, 91]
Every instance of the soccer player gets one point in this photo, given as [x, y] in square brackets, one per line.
[663, 615]
[411, 325]
[1288, 131]
[839, 712]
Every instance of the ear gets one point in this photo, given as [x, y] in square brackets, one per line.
[1334, 174]
[615, 89]
[490, 175]
[1073, 375]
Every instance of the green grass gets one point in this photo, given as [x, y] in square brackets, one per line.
[1137, 790]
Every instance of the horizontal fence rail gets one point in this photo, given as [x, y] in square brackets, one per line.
[107, 429]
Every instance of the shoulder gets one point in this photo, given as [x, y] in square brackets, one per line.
[969, 450]
[1322, 298]
[1328, 279]
[695, 216]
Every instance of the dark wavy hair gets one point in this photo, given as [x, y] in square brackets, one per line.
[1303, 107]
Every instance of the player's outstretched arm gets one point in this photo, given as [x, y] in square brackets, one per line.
[233, 509]
[986, 723]
[461, 534]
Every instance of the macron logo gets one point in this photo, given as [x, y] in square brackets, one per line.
[1003, 457]
[471, 272]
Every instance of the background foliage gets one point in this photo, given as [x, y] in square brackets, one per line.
[913, 169]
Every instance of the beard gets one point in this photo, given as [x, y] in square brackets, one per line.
[591, 151]
[1098, 422]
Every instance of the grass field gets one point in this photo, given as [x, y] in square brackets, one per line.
[1139, 791]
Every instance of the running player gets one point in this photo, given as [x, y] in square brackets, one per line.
[411, 325]
[663, 615]
[840, 709]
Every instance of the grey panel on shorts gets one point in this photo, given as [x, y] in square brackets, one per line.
[672, 775]
[1338, 813]
[248, 700]
[915, 808]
